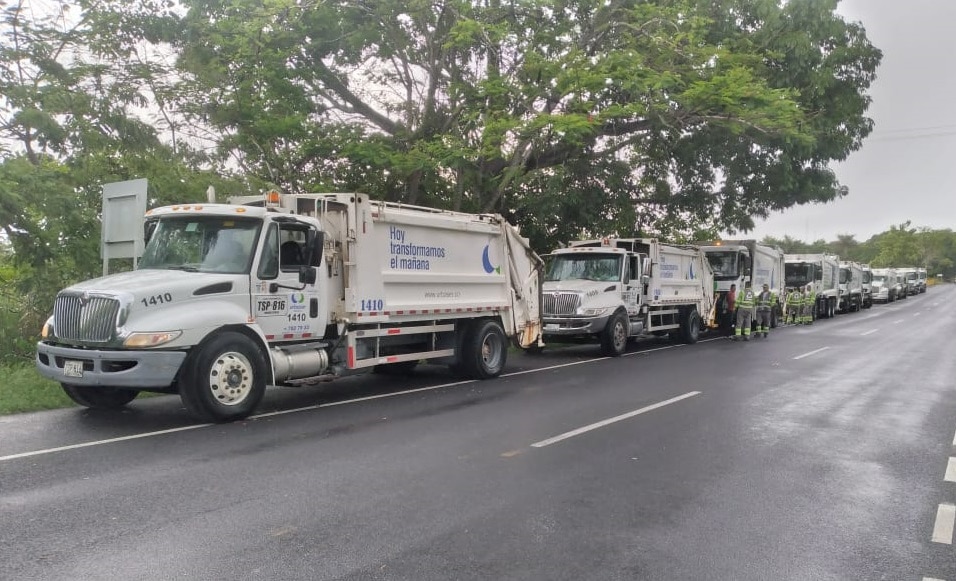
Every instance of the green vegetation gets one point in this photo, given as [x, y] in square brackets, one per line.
[23, 390]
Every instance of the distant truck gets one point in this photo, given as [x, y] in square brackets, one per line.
[885, 285]
[851, 287]
[921, 276]
[735, 262]
[614, 289]
[867, 286]
[283, 289]
[911, 276]
[820, 270]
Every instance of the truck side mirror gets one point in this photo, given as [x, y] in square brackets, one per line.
[316, 247]
[306, 275]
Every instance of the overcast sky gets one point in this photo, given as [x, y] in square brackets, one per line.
[906, 169]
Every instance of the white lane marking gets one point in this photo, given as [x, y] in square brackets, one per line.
[898, 322]
[609, 421]
[870, 332]
[100, 442]
[954, 439]
[814, 352]
[950, 470]
[917, 313]
[931, 579]
[943, 528]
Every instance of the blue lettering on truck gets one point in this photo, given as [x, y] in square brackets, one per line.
[408, 255]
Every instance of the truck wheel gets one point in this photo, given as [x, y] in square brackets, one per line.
[484, 350]
[690, 327]
[614, 336]
[99, 398]
[224, 378]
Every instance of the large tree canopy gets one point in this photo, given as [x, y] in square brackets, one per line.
[572, 117]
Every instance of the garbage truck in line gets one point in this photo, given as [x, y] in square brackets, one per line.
[283, 289]
[820, 270]
[735, 262]
[615, 289]
[851, 286]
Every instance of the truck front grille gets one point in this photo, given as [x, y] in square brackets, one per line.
[561, 303]
[85, 318]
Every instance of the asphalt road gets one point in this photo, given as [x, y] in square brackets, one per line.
[820, 453]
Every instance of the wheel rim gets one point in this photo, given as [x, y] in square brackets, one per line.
[491, 351]
[231, 378]
[620, 335]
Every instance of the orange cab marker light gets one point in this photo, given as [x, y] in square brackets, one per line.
[240, 210]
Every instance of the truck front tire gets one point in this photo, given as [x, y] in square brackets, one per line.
[614, 336]
[224, 378]
[99, 398]
[690, 327]
[484, 350]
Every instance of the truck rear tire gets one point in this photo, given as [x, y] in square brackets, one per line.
[484, 350]
[224, 378]
[690, 327]
[99, 398]
[614, 335]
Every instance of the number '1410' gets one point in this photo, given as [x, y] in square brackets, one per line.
[372, 305]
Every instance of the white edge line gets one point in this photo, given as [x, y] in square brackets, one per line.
[931, 579]
[870, 332]
[814, 352]
[950, 470]
[609, 421]
[99, 442]
[898, 321]
[943, 527]
[954, 439]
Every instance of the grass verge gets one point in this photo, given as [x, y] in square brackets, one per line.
[22, 389]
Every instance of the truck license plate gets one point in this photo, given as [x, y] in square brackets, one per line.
[552, 327]
[73, 368]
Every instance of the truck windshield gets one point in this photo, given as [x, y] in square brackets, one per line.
[201, 244]
[602, 267]
[724, 264]
[867, 276]
[911, 277]
[879, 278]
[798, 273]
[845, 275]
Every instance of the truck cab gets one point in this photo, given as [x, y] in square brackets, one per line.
[851, 287]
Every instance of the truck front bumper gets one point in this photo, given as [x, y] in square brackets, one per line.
[129, 369]
[570, 326]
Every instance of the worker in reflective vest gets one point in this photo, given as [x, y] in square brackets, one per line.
[809, 304]
[765, 304]
[794, 305]
[745, 313]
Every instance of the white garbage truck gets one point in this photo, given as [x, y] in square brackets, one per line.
[820, 270]
[615, 289]
[735, 262]
[285, 289]
[867, 286]
[851, 286]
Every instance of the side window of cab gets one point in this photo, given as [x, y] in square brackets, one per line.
[269, 261]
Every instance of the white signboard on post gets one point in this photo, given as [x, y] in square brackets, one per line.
[124, 204]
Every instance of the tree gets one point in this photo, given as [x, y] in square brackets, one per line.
[579, 116]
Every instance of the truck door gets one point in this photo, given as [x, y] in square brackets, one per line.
[632, 285]
[284, 308]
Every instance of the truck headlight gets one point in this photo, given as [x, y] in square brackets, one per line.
[47, 330]
[140, 340]
[594, 311]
